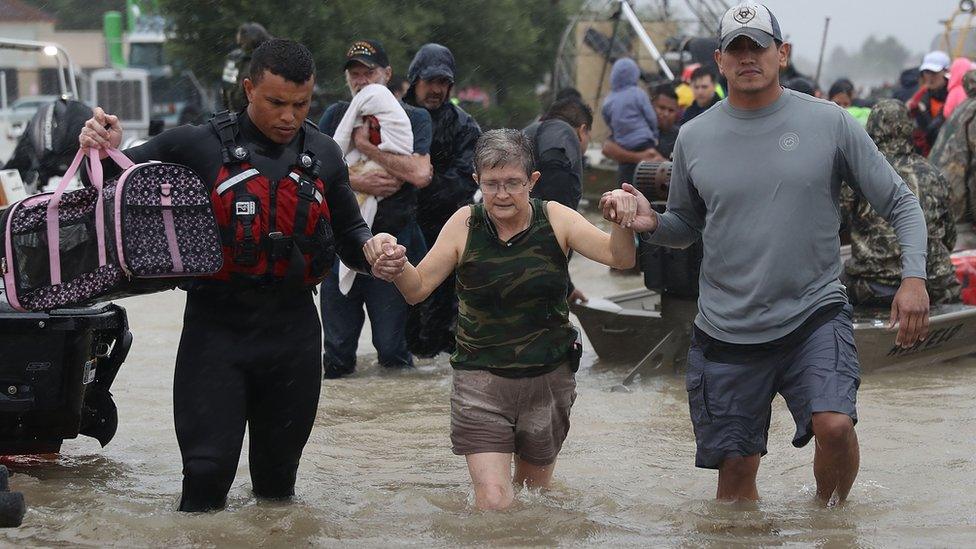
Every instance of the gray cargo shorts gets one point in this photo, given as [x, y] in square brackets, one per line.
[526, 416]
[730, 404]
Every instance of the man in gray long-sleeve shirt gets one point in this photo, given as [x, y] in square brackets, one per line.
[757, 177]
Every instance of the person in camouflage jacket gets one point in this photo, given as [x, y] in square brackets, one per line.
[954, 152]
[873, 273]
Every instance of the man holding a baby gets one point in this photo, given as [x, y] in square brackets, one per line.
[387, 146]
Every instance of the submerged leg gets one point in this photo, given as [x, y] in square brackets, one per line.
[737, 478]
[837, 455]
[209, 410]
[533, 476]
[283, 397]
[491, 476]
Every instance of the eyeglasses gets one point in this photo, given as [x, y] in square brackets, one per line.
[511, 186]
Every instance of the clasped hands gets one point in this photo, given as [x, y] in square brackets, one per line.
[386, 258]
[627, 207]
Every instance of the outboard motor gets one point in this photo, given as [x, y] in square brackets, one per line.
[669, 271]
[56, 369]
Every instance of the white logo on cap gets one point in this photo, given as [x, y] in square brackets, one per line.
[744, 14]
[788, 141]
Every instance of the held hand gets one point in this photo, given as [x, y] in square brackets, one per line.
[101, 131]
[619, 207]
[389, 266]
[644, 218]
[910, 312]
[383, 244]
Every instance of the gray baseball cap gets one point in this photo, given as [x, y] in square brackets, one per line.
[752, 20]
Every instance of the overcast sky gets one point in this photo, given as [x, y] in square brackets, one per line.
[914, 22]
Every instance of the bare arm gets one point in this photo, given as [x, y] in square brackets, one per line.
[573, 231]
[614, 151]
[416, 283]
[414, 169]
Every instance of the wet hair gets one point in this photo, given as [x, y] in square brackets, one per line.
[570, 110]
[286, 58]
[251, 35]
[702, 72]
[566, 93]
[842, 85]
[504, 147]
[666, 89]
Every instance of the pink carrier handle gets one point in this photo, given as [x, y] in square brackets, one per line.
[53, 223]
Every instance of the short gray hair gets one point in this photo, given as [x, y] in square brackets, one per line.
[503, 147]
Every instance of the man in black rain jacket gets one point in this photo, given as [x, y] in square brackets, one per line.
[430, 329]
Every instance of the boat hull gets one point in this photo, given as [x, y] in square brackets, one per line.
[622, 328]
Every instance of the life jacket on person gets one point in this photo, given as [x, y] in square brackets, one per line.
[271, 232]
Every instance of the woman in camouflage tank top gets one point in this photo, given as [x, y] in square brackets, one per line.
[514, 373]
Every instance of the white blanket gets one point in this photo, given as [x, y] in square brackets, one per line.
[396, 136]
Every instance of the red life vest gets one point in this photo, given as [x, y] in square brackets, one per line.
[271, 231]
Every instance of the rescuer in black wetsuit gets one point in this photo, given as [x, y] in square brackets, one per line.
[250, 353]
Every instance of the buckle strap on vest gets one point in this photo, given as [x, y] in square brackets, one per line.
[225, 126]
[245, 210]
[309, 168]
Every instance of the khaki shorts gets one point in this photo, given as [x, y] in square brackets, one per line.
[526, 416]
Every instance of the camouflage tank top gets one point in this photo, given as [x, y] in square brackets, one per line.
[513, 318]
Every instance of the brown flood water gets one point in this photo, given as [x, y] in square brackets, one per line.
[378, 470]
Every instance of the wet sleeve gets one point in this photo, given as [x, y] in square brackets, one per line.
[327, 124]
[681, 225]
[192, 146]
[422, 130]
[867, 170]
[351, 232]
[558, 182]
[456, 181]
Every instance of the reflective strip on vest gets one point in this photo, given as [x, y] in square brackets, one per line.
[227, 184]
[318, 195]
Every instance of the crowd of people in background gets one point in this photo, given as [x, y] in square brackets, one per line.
[924, 127]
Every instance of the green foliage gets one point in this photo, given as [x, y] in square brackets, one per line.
[504, 46]
[76, 15]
